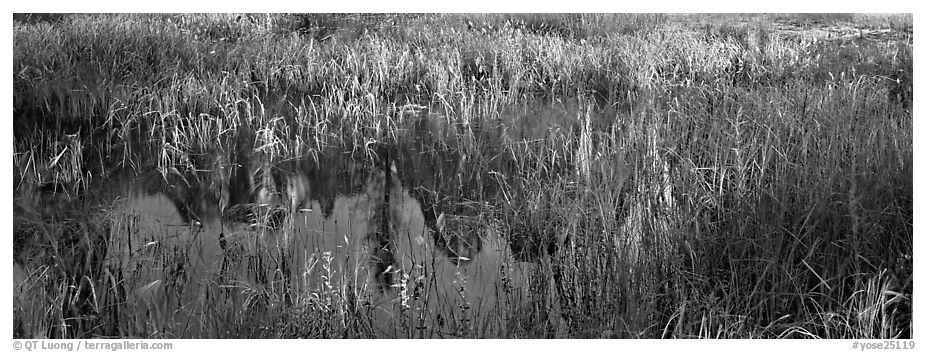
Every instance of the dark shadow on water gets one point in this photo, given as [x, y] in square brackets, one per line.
[420, 215]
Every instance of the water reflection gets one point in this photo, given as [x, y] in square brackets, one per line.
[433, 234]
[405, 229]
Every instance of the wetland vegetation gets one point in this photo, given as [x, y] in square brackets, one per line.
[462, 175]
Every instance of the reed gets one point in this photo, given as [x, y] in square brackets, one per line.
[702, 176]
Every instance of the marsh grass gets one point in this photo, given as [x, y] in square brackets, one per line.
[768, 189]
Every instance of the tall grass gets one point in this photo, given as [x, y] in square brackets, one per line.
[769, 191]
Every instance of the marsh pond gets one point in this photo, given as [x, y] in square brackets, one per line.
[462, 176]
[417, 238]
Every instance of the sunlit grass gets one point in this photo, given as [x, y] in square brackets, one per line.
[767, 190]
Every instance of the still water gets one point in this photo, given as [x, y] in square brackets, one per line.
[415, 238]
[311, 229]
